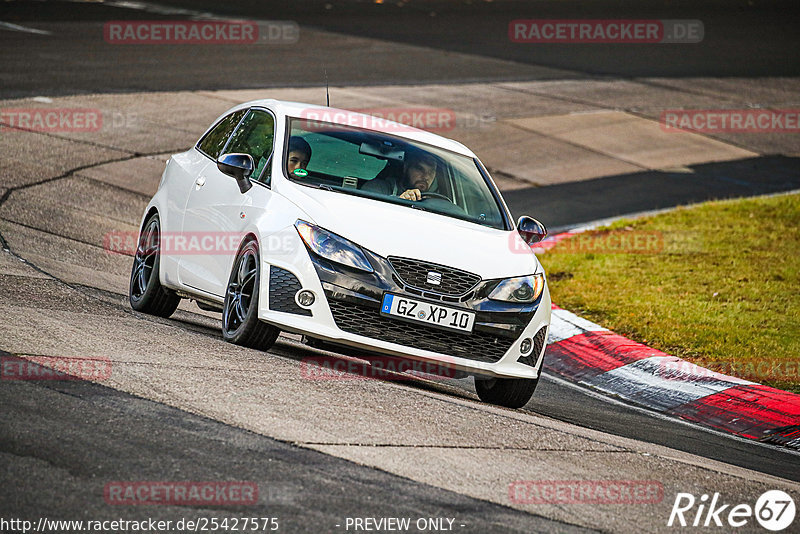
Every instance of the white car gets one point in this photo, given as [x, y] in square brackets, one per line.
[350, 230]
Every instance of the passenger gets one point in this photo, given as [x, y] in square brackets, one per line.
[299, 154]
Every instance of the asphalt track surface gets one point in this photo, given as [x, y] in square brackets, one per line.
[59, 469]
[62, 441]
[748, 38]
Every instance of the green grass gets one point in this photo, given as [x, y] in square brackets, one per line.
[720, 288]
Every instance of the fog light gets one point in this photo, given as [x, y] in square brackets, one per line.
[305, 298]
[526, 345]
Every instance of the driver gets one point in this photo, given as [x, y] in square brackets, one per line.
[419, 176]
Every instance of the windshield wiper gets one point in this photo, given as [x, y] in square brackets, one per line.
[326, 187]
[418, 207]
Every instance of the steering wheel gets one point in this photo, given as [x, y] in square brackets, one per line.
[427, 195]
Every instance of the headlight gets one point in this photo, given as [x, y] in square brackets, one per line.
[332, 247]
[520, 289]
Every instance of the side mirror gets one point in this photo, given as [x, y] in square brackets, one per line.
[240, 166]
[531, 230]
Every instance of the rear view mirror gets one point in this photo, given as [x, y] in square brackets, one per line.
[531, 230]
[239, 166]
[386, 150]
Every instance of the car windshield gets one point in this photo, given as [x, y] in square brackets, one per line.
[385, 168]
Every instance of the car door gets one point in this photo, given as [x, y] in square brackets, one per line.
[217, 212]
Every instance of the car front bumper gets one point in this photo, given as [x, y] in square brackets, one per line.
[347, 311]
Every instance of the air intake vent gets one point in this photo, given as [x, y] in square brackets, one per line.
[539, 340]
[367, 321]
[283, 286]
[433, 277]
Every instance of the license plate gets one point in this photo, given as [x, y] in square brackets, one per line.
[424, 312]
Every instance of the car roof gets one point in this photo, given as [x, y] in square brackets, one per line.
[352, 118]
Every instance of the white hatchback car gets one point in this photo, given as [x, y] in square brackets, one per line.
[350, 230]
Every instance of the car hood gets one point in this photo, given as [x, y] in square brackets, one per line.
[396, 230]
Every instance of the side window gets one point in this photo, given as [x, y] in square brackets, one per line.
[254, 136]
[214, 141]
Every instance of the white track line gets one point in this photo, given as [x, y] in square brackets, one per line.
[160, 9]
[18, 28]
[564, 324]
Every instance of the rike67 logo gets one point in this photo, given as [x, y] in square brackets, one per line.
[774, 510]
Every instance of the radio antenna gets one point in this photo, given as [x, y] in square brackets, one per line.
[327, 94]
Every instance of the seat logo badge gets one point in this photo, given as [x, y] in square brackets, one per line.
[434, 278]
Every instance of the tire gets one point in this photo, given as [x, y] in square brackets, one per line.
[508, 392]
[145, 292]
[240, 323]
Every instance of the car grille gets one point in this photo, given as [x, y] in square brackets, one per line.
[283, 286]
[415, 273]
[367, 321]
[538, 342]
